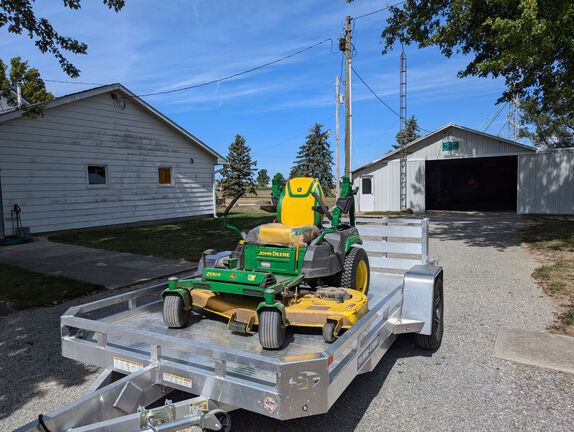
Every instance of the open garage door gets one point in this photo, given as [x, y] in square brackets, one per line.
[486, 184]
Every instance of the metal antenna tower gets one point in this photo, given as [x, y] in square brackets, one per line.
[403, 143]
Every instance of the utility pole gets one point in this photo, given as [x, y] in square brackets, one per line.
[348, 107]
[337, 157]
[403, 143]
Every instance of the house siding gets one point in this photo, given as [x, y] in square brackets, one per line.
[546, 182]
[43, 167]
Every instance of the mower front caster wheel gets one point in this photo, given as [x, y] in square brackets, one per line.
[271, 329]
[175, 314]
[329, 332]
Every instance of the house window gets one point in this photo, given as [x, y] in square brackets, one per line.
[97, 175]
[165, 176]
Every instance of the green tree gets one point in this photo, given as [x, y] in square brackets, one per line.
[33, 87]
[279, 176]
[545, 130]
[410, 133]
[262, 178]
[526, 42]
[18, 17]
[315, 158]
[237, 176]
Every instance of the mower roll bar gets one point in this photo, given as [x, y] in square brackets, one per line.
[321, 208]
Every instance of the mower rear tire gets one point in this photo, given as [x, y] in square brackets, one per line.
[433, 341]
[175, 314]
[355, 273]
[271, 329]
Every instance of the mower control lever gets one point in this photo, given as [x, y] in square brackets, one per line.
[232, 203]
[322, 206]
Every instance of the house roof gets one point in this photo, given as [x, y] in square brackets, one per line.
[390, 155]
[73, 97]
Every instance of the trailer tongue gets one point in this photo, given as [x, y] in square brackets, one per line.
[148, 367]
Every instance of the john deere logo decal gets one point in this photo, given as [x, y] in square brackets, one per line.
[299, 189]
[232, 276]
[251, 277]
[274, 254]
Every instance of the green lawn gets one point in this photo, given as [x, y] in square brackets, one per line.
[22, 289]
[187, 239]
[553, 237]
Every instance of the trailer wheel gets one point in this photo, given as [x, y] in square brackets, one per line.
[271, 329]
[175, 314]
[329, 332]
[433, 341]
[224, 420]
[355, 273]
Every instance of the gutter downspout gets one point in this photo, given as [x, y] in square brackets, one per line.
[215, 192]
[2, 232]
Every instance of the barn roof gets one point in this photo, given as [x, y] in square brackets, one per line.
[73, 97]
[394, 153]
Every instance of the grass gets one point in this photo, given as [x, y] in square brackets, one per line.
[553, 237]
[186, 239]
[22, 289]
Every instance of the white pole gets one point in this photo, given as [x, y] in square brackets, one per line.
[337, 140]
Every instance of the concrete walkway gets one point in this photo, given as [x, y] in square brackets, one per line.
[98, 266]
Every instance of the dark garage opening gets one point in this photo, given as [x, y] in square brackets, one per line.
[485, 184]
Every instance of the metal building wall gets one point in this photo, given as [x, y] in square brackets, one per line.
[546, 182]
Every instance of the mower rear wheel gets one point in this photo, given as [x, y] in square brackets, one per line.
[175, 314]
[271, 329]
[355, 273]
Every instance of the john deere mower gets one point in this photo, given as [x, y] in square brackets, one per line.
[292, 272]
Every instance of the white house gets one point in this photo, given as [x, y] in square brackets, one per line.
[101, 157]
[458, 168]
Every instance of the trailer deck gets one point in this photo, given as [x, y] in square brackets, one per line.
[126, 334]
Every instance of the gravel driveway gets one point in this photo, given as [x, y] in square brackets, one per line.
[461, 387]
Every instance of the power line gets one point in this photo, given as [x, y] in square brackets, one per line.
[379, 10]
[380, 100]
[228, 77]
[74, 82]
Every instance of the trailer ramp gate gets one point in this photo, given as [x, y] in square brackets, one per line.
[222, 371]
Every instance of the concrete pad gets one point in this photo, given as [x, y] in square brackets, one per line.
[108, 268]
[536, 348]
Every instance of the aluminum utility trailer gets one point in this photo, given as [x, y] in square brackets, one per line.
[220, 371]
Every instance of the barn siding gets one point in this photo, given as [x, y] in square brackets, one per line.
[546, 182]
[386, 173]
[43, 167]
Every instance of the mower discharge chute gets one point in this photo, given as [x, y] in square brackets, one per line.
[292, 272]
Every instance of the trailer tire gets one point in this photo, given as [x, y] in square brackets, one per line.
[175, 314]
[433, 341]
[271, 329]
[355, 273]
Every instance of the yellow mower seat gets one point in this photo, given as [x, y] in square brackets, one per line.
[297, 222]
[282, 235]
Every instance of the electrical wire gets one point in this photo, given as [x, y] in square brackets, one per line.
[380, 100]
[74, 82]
[228, 77]
[495, 116]
[379, 10]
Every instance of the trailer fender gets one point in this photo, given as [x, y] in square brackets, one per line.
[418, 293]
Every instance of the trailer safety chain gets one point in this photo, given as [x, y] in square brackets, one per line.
[42, 424]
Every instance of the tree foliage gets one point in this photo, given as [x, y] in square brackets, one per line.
[262, 178]
[315, 158]
[33, 87]
[279, 176]
[238, 174]
[545, 130]
[410, 133]
[526, 42]
[19, 18]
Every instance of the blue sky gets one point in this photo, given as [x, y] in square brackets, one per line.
[160, 45]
